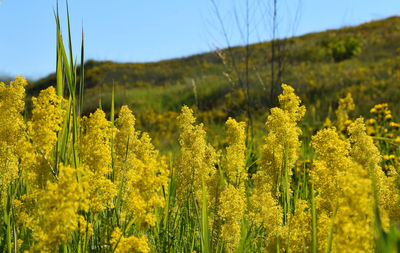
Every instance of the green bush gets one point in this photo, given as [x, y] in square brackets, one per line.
[345, 48]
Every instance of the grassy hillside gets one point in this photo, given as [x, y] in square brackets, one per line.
[316, 65]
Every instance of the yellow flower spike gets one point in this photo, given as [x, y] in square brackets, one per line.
[346, 105]
[232, 200]
[231, 211]
[96, 156]
[47, 116]
[197, 159]
[233, 163]
[55, 215]
[394, 125]
[349, 186]
[144, 171]
[367, 154]
[282, 140]
[131, 244]
[16, 153]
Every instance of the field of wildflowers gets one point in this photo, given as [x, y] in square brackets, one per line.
[73, 183]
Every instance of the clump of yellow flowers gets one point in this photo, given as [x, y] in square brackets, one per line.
[141, 173]
[95, 184]
[196, 162]
[344, 195]
[233, 199]
[96, 157]
[56, 196]
[15, 154]
[273, 179]
[346, 105]
[56, 212]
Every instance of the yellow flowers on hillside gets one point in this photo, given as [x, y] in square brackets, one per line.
[95, 184]
[345, 106]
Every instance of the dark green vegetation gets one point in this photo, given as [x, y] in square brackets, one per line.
[322, 67]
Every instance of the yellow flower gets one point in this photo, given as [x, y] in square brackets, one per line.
[371, 121]
[367, 154]
[95, 147]
[234, 160]
[340, 180]
[96, 156]
[394, 124]
[197, 159]
[131, 244]
[281, 149]
[55, 215]
[346, 105]
[140, 169]
[327, 122]
[300, 228]
[47, 116]
[15, 150]
[290, 103]
[282, 139]
[231, 212]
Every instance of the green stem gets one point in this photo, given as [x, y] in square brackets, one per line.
[314, 221]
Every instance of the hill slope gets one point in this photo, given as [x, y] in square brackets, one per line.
[316, 65]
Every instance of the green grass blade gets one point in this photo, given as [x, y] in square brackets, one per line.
[205, 241]
[330, 234]
[66, 67]
[112, 106]
[82, 77]
[59, 72]
[65, 133]
[314, 222]
[69, 38]
[112, 133]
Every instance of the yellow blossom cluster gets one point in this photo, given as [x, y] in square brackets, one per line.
[382, 111]
[233, 201]
[345, 106]
[140, 169]
[343, 184]
[233, 161]
[95, 153]
[278, 157]
[282, 143]
[131, 244]
[110, 189]
[55, 214]
[47, 117]
[197, 159]
[15, 152]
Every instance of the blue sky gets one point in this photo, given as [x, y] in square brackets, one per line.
[152, 30]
